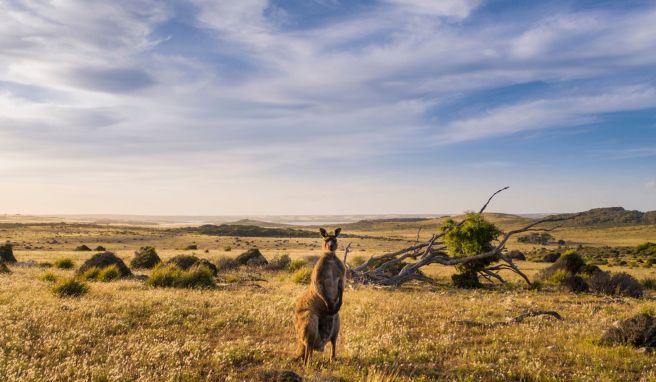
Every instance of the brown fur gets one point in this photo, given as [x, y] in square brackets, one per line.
[316, 316]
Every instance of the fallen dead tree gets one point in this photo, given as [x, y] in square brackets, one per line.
[405, 265]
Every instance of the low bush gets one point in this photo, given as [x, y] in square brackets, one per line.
[637, 331]
[103, 260]
[622, 284]
[227, 249]
[65, 263]
[302, 276]
[83, 248]
[48, 277]
[4, 268]
[279, 263]
[649, 283]
[70, 288]
[297, 264]
[145, 258]
[90, 274]
[226, 262]
[172, 276]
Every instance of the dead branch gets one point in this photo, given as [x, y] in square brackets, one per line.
[376, 270]
[516, 320]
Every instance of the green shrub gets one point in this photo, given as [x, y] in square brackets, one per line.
[558, 276]
[64, 263]
[172, 276]
[145, 258]
[295, 265]
[70, 288]
[4, 268]
[302, 276]
[105, 274]
[90, 274]
[358, 260]
[48, 277]
[474, 236]
[108, 274]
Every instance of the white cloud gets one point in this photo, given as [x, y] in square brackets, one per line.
[85, 82]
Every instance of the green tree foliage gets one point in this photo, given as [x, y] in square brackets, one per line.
[474, 236]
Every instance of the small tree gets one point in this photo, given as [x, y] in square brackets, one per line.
[474, 236]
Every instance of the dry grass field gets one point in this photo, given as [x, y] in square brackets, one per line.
[242, 330]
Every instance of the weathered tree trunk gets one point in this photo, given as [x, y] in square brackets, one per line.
[434, 251]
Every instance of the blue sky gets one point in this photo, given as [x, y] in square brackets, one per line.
[326, 106]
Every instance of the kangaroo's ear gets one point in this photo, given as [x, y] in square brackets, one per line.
[337, 231]
[323, 232]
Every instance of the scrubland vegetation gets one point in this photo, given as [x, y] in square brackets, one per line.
[178, 319]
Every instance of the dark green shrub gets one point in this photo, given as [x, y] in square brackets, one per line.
[637, 331]
[65, 263]
[574, 284]
[103, 260]
[145, 258]
[70, 288]
[7, 253]
[191, 247]
[83, 248]
[4, 268]
[621, 284]
[100, 248]
[227, 249]
[551, 257]
[474, 236]
[172, 276]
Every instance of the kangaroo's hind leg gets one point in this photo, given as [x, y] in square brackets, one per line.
[333, 337]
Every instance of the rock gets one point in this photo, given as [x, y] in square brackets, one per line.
[103, 260]
[252, 257]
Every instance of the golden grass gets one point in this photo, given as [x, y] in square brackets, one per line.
[124, 330]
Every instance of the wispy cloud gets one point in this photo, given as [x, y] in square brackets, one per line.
[241, 89]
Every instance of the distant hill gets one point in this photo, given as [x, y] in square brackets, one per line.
[258, 223]
[249, 231]
[611, 216]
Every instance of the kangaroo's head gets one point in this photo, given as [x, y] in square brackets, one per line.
[329, 240]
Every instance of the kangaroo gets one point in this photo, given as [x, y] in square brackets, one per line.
[316, 316]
